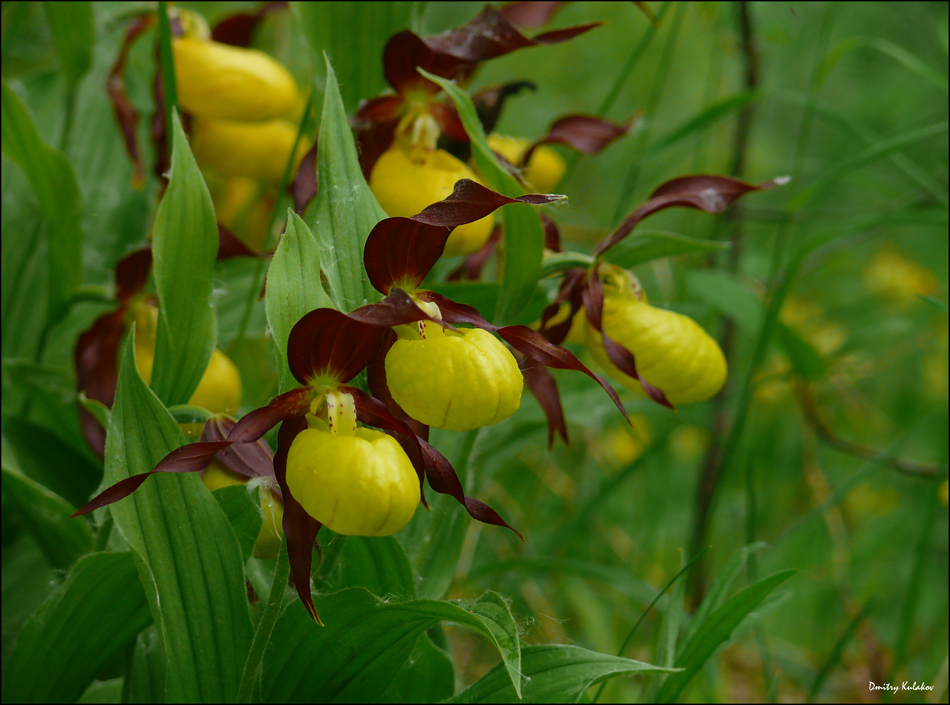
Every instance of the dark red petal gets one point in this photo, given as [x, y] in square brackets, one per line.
[443, 479]
[327, 342]
[230, 246]
[544, 388]
[238, 29]
[131, 273]
[252, 426]
[625, 361]
[125, 113]
[405, 51]
[448, 120]
[96, 359]
[397, 309]
[401, 251]
[708, 193]
[300, 529]
[246, 459]
[529, 15]
[188, 458]
[552, 236]
[306, 181]
[489, 102]
[584, 133]
[381, 109]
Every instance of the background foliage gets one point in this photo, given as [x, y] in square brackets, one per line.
[833, 296]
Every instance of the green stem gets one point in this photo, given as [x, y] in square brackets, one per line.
[275, 600]
[169, 84]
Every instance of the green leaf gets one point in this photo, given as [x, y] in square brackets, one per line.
[53, 180]
[145, 682]
[346, 210]
[72, 25]
[354, 53]
[524, 234]
[94, 615]
[715, 630]
[241, 505]
[293, 288]
[365, 642]
[936, 303]
[428, 676]
[707, 117]
[46, 515]
[188, 557]
[552, 674]
[184, 247]
[185, 413]
[647, 245]
[378, 564]
[806, 361]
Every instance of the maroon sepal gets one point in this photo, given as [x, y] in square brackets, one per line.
[131, 273]
[401, 251]
[544, 388]
[584, 133]
[529, 15]
[552, 235]
[300, 529]
[238, 29]
[570, 289]
[371, 142]
[708, 193]
[448, 120]
[528, 342]
[246, 459]
[327, 342]
[256, 423]
[188, 458]
[593, 296]
[489, 101]
[455, 54]
[397, 309]
[444, 480]
[125, 113]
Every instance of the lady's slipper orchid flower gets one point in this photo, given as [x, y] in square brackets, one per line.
[640, 332]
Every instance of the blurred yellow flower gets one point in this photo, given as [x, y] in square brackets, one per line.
[544, 169]
[897, 278]
[259, 150]
[621, 445]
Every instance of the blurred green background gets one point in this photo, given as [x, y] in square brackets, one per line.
[851, 101]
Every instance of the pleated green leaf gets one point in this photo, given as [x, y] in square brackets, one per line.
[294, 288]
[244, 512]
[378, 564]
[185, 245]
[365, 642]
[94, 615]
[523, 232]
[553, 674]
[145, 682]
[46, 515]
[53, 180]
[188, 556]
[345, 210]
[427, 677]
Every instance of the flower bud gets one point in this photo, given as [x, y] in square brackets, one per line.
[232, 83]
[544, 169]
[357, 483]
[259, 150]
[405, 184]
[268, 539]
[672, 351]
[454, 380]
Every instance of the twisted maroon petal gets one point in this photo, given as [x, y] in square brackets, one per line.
[258, 422]
[585, 133]
[328, 342]
[544, 388]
